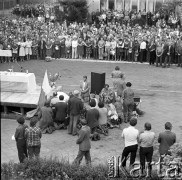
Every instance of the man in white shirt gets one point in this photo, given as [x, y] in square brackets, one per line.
[130, 136]
[143, 49]
[74, 47]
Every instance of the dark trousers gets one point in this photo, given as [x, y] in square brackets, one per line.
[127, 150]
[145, 153]
[72, 127]
[22, 150]
[158, 60]
[42, 54]
[131, 56]
[127, 111]
[80, 157]
[125, 54]
[142, 53]
[167, 60]
[180, 60]
[152, 57]
[95, 53]
[33, 151]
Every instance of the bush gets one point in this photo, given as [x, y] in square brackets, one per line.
[51, 169]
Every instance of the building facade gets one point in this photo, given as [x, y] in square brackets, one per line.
[146, 5]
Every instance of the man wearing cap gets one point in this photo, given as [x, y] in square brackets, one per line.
[75, 106]
[84, 144]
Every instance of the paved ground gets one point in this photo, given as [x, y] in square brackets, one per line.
[160, 90]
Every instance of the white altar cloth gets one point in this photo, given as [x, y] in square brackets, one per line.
[17, 81]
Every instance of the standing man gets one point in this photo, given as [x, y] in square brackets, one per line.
[128, 102]
[170, 51]
[75, 106]
[143, 46]
[42, 49]
[130, 136]
[33, 135]
[84, 144]
[74, 44]
[159, 52]
[85, 90]
[178, 48]
[166, 139]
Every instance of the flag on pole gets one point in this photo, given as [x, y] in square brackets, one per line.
[45, 90]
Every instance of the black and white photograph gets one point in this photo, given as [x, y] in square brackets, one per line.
[91, 89]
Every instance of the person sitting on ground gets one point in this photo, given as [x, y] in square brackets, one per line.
[92, 116]
[46, 119]
[60, 113]
[102, 119]
[107, 95]
[112, 116]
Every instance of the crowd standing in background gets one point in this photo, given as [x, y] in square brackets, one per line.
[112, 35]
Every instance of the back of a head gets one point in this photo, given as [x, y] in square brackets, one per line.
[21, 120]
[92, 103]
[128, 84]
[33, 121]
[61, 97]
[101, 104]
[148, 126]
[83, 122]
[133, 121]
[117, 68]
[168, 126]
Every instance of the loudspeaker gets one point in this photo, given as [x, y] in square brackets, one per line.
[97, 82]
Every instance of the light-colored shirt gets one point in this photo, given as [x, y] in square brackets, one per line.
[146, 139]
[143, 45]
[130, 136]
[102, 115]
[74, 44]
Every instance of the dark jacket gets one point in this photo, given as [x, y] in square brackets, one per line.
[60, 111]
[75, 106]
[44, 45]
[20, 132]
[92, 117]
[84, 139]
[166, 140]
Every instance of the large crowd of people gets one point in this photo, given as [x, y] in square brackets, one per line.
[117, 36]
[111, 36]
[88, 116]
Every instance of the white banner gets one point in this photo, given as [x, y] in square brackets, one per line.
[5, 53]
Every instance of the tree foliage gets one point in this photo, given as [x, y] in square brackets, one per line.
[75, 10]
